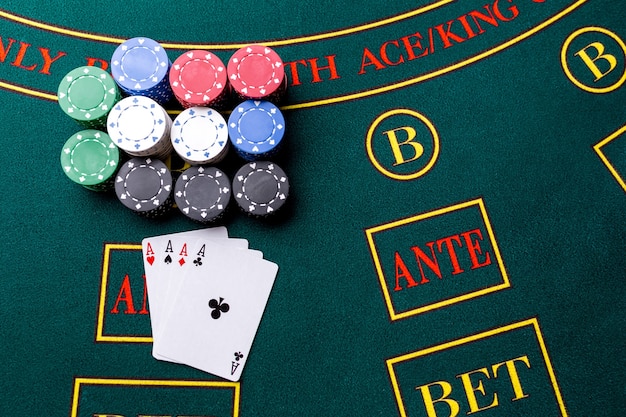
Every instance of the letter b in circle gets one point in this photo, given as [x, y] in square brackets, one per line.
[402, 144]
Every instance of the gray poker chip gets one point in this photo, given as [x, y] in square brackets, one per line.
[260, 188]
[144, 185]
[202, 193]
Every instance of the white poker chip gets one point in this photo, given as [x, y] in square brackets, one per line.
[139, 126]
[200, 135]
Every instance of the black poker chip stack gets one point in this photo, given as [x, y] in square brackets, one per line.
[144, 185]
[202, 193]
[260, 188]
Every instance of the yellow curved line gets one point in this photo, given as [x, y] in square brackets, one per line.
[28, 91]
[437, 73]
[379, 90]
[292, 41]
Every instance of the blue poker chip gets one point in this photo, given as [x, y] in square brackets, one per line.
[256, 129]
[140, 66]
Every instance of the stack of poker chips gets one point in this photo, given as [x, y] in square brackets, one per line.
[140, 66]
[128, 133]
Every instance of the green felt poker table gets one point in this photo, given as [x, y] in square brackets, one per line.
[453, 242]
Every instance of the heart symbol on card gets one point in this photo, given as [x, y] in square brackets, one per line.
[150, 259]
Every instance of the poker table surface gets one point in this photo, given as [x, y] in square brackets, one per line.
[453, 242]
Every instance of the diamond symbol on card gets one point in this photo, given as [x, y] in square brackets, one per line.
[181, 261]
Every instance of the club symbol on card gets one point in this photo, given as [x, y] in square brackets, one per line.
[197, 262]
[235, 364]
[218, 307]
[168, 259]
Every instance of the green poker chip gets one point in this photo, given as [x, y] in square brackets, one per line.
[91, 159]
[87, 94]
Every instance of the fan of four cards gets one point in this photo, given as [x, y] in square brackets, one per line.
[207, 293]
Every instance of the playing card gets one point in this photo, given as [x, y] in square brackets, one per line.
[199, 250]
[217, 310]
[159, 253]
[194, 250]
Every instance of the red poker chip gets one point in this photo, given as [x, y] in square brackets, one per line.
[198, 78]
[255, 71]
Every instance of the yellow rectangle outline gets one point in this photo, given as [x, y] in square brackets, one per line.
[598, 148]
[154, 383]
[106, 259]
[469, 339]
[397, 316]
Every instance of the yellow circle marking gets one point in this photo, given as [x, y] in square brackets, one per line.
[386, 172]
[571, 76]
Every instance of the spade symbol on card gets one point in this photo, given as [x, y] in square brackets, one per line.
[218, 307]
[168, 259]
